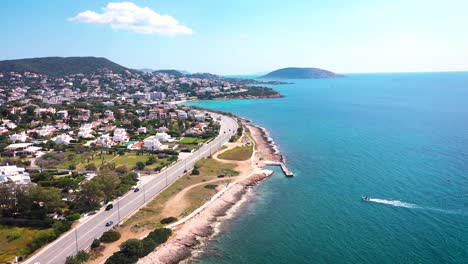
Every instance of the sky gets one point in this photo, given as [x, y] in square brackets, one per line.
[243, 36]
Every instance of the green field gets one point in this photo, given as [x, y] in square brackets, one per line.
[13, 241]
[237, 153]
[191, 140]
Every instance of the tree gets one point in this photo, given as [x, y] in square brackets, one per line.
[140, 165]
[108, 181]
[110, 236]
[132, 247]
[37, 202]
[91, 194]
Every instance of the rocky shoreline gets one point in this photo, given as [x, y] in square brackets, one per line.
[190, 235]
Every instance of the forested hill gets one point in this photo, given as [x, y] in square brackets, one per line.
[59, 66]
[300, 73]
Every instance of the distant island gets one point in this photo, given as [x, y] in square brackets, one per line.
[300, 73]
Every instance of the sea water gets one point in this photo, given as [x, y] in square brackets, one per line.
[400, 139]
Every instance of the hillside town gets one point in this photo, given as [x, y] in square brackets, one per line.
[130, 86]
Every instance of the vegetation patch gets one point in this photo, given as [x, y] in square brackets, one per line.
[168, 220]
[110, 236]
[237, 153]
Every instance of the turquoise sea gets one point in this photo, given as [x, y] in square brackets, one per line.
[401, 139]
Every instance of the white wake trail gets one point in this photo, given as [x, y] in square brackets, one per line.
[394, 203]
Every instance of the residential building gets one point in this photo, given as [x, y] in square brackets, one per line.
[21, 137]
[62, 139]
[14, 174]
[120, 135]
[152, 143]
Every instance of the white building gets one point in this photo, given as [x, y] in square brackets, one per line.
[14, 174]
[62, 139]
[22, 137]
[152, 143]
[85, 131]
[46, 131]
[105, 141]
[158, 96]
[62, 113]
[181, 114]
[120, 135]
[163, 137]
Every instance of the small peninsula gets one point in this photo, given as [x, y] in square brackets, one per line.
[300, 73]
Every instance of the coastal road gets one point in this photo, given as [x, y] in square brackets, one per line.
[83, 235]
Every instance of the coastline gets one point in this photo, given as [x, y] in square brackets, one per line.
[192, 233]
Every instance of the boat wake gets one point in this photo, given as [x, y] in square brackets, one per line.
[393, 203]
[397, 203]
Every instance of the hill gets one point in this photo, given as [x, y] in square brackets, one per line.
[175, 73]
[300, 73]
[59, 66]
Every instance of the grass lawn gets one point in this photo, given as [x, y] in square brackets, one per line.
[13, 241]
[191, 140]
[81, 161]
[150, 215]
[130, 160]
[237, 153]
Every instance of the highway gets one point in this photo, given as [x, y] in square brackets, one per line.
[83, 235]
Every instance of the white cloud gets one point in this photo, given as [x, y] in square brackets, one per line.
[128, 16]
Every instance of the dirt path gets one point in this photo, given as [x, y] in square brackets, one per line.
[177, 204]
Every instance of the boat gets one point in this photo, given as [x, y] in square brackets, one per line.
[365, 198]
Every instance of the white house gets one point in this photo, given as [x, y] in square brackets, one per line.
[22, 137]
[46, 131]
[142, 130]
[85, 131]
[62, 139]
[152, 143]
[163, 137]
[120, 135]
[105, 141]
[14, 174]
[181, 114]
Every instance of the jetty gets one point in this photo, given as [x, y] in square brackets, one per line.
[283, 166]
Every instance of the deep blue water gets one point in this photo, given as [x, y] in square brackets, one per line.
[401, 139]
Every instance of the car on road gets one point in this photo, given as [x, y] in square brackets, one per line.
[109, 207]
[136, 190]
[109, 223]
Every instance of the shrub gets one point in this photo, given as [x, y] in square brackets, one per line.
[110, 236]
[91, 167]
[96, 243]
[13, 235]
[195, 172]
[73, 217]
[148, 246]
[168, 220]
[61, 227]
[160, 235]
[132, 248]
[140, 165]
[41, 239]
[81, 257]
[211, 186]
[120, 258]
[121, 169]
